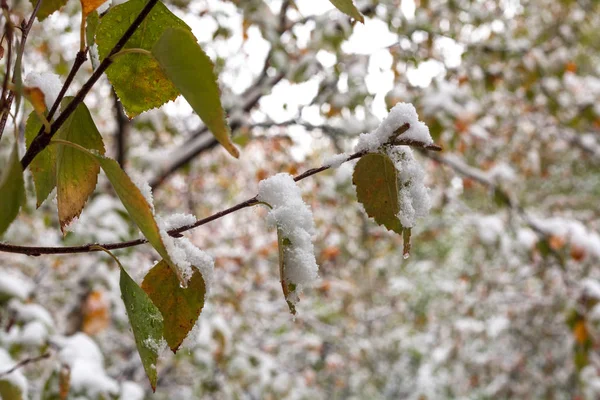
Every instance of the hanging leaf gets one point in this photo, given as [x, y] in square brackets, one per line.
[43, 166]
[179, 307]
[192, 72]
[48, 7]
[289, 289]
[36, 97]
[348, 8]
[376, 181]
[146, 323]
[76, 173]
[137, 78]
[138, 208]
[12, 190]
[92, 22]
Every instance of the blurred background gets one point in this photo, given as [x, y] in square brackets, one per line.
[499, 298]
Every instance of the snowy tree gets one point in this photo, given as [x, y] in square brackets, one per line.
[423, 177]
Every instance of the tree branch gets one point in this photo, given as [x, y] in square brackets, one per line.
[92, 247]
[6, 105]
[43, 139]
[24, 362]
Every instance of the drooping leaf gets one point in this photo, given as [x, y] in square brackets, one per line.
[137, 78]
[138, 208]
[48, 7]
[192, 72]
[43, 166]
[88, 6]
[12, 190]
[348, 8]
[376, 181]
[92, 22]
[146, 323]
[180, 307]
[289, 289]
[76, 172]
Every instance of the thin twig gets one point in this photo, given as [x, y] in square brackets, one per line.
[24, 362]
[11, 95]
[42, 140]
[92, 247]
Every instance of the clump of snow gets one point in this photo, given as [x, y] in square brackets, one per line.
[183, 252]
[154, 345]
[48, 83]
[399, 115]
[413, 195]
[336, 160]
[178, 220]
[13, 285]
[15, 378]
[591, 288]
[84, 358]
[294, 220]
[131, 391]
[146, 191]
[490, 228]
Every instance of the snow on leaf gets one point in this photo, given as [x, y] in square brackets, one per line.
[295, 226]
[179, 307]
[48, 7]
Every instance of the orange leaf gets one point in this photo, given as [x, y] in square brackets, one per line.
[88, 6]
[37, 98]
[580, 332]
[96, 313]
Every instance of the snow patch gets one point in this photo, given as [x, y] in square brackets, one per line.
[48, 83]
[295, 221]
[399, 115]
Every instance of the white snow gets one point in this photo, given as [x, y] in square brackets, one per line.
[178, 220]
[94, 55]
[336, 160]
[294, 219]
[146, 191]
[84, 358]
[591, 288]
[15, 378]
[47, 82]
[12, 285]
[184, 253]
[131, 391]
[399, 115]
[413, 195]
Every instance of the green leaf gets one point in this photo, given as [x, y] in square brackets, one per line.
[43, 166]
[146, 323]
[9, 389]
[348, 8]
[376, 181]
[76, 173]
[179, 307]
[138, 208]
[289, 289]
[48, 7]
[137, 78]
[12, 190]
[92, 22]
[192, 72]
